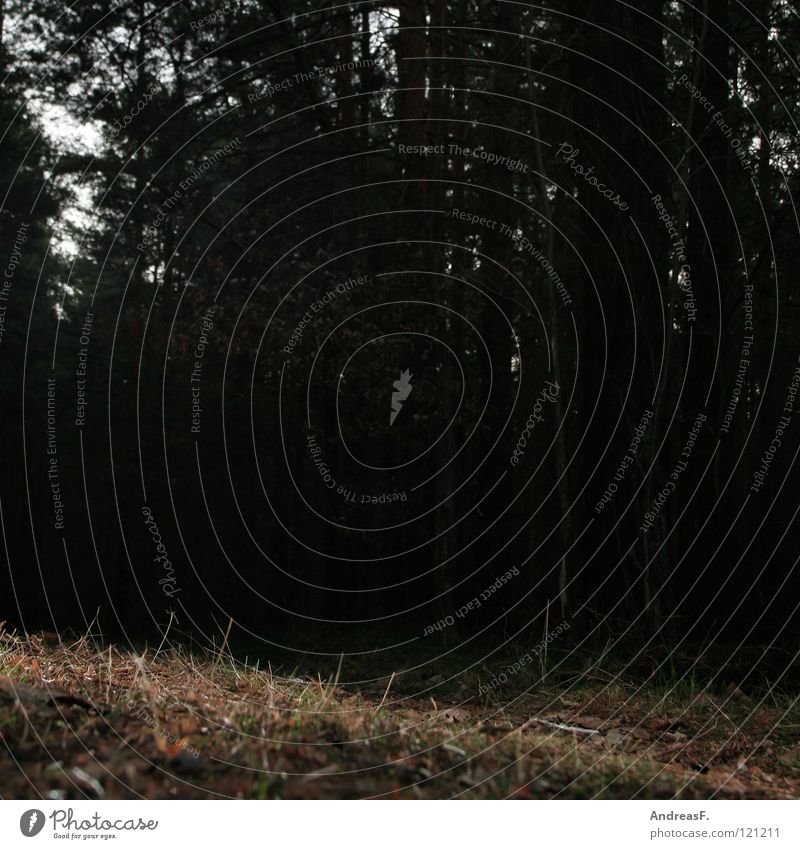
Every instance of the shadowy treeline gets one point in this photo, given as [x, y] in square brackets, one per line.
[227, 232]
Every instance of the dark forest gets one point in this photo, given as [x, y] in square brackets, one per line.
[451, 345]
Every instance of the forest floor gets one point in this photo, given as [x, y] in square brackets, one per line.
[78, 721]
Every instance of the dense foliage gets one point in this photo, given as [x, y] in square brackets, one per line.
[574, 226]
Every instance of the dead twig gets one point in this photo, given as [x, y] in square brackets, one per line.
[572, 729]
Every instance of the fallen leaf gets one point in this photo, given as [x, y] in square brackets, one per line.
[665, 724]
[164, 746]
[454, 714]
[87, 781]
[677, 736]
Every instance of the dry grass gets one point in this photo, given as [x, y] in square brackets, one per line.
[78, 720]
